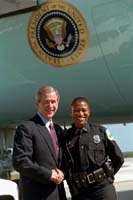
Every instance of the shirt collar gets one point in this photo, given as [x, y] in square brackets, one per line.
[45, 121]
[85, 129]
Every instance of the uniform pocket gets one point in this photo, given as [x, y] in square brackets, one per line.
[96, 153]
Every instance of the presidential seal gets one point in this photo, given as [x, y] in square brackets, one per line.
[58, 34]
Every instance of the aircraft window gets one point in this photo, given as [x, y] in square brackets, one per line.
[15, 6]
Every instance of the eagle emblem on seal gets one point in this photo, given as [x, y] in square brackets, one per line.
[56, 31]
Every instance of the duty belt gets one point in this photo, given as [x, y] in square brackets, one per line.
[82, 179]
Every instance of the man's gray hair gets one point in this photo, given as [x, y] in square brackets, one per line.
[46, 89]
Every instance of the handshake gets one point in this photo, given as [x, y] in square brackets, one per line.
[57, 176]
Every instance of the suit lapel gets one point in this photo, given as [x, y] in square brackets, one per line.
[45, 134]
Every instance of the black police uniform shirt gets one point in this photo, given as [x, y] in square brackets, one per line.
[91, 146]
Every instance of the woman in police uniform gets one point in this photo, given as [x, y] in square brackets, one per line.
[92, 156]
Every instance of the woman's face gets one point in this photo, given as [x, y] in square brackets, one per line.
[80, 113]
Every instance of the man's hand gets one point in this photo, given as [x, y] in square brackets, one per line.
[57, 176]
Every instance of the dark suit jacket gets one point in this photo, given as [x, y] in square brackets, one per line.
[34, 157]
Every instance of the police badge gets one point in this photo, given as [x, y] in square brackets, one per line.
[96, 139]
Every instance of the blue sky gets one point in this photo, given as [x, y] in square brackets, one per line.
[123, 134]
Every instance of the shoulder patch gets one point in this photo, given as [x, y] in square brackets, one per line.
[109, 135]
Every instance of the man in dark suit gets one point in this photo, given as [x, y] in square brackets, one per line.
[35, 155]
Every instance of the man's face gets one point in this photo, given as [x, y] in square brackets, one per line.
[80, 113]
[48, 105]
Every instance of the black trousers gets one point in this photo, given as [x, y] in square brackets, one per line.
[102, 191]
